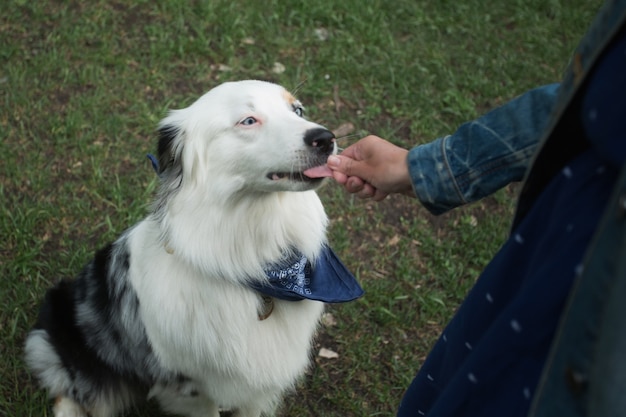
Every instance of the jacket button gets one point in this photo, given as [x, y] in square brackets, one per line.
[621, 206]
[576, 381]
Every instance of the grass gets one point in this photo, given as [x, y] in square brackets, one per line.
[83, 85]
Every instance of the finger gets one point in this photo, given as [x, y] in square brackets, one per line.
[379, 195]
[367, 191]
[345, 165]
[354, 184]
[340, 177]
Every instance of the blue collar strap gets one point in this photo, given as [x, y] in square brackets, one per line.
[295, 279]
[154, 161]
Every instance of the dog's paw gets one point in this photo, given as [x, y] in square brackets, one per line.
[65, 407]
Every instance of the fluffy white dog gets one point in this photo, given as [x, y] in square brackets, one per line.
[212, 301]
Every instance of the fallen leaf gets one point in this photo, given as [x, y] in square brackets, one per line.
[321, 33]
[278, 68]
[221, 67]
[343, 130]
[327, 354]
[394, 240]
[328, 320]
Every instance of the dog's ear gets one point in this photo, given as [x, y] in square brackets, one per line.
[169, 141]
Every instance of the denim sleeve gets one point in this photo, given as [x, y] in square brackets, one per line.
[483, 155]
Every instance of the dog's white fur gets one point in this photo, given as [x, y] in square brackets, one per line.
[216, 225]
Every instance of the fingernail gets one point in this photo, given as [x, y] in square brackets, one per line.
[333, 162]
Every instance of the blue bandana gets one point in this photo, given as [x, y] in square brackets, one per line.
[295, 279]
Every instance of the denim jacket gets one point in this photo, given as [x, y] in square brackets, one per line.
[585, 374]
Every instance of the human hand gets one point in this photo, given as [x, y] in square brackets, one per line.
[372, 168]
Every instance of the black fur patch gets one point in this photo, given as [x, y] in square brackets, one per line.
[166, 152]
[82, 320]
[170, 167]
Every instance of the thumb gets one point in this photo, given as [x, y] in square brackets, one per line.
[345, 165]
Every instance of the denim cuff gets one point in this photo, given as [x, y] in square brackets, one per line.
[433, 180]
[447, 174]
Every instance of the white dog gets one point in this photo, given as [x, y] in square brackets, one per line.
[212, 301]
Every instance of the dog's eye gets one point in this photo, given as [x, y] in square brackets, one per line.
[299, 111]
[248, 121]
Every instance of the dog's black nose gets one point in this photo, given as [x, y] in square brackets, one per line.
[322, 139]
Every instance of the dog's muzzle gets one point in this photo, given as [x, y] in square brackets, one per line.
[321, 144]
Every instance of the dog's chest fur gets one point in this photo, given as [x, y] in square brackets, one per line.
[207, 326]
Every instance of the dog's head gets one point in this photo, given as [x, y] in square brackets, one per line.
[243, 136]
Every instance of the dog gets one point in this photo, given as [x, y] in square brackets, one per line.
[212, 301]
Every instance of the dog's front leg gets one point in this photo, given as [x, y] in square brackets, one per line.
[65, 407]
[184, 399]
[250, 411]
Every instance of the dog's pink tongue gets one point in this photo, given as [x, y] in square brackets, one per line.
[318, 172]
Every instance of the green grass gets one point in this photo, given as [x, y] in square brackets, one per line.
[83, 85]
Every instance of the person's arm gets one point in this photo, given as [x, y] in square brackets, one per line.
[483, 155]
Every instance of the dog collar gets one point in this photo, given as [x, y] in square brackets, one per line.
[294, 278]
[154, 161]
